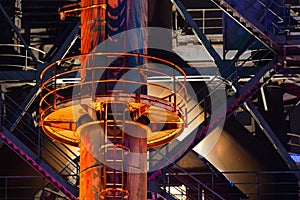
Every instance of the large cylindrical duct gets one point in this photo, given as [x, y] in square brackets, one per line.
[104, 20]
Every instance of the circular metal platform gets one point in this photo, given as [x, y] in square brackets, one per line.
[154, 94]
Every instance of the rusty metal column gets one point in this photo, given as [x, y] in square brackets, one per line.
[95, 177]
[93, 21]
[137, 17]
[137, 165]
[106, 113]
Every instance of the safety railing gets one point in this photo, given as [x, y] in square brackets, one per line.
[260, 184]
[283, 16]
[278, 17]
[142, 79]
[20, 187]
[209, 21]
[293, 19]
[17, 56]
[175, 182]
[194, 184]
[60, 157]
[294, 142]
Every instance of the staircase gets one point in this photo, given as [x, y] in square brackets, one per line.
[114, 151]
[245, 91]
[55, 161]
[198, 185]
[271, 22]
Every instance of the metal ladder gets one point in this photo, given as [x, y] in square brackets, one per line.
[114, 151]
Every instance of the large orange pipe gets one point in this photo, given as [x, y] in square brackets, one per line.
[93, 177]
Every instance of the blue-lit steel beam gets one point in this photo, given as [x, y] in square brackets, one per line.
[226, 67]
[233, 102]
[35, 90]
[64, 49]
[16, 30]
[200, 36]
[271, 136]
[18, 76]
[42, 167]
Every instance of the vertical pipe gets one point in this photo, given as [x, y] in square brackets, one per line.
[137, 167]
[97, 24]
[91, 171]
[199, 191]
[93, 32]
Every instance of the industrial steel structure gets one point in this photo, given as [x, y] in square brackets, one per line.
[149, 99]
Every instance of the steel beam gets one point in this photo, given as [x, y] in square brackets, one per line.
[18, 76]
[263, 124]
[179, 148]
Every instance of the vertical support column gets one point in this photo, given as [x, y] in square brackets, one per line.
[91, 170]
[99, 176]
[92, 24]
[135, 135]
[97, 24]
[92, 33]
[136, 140]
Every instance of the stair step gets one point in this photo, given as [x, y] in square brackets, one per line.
[235, 14]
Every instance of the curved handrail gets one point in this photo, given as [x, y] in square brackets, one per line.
[53, 93]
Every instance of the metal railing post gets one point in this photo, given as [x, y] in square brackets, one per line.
[199, 192]
[26, 62]
[203, 21]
